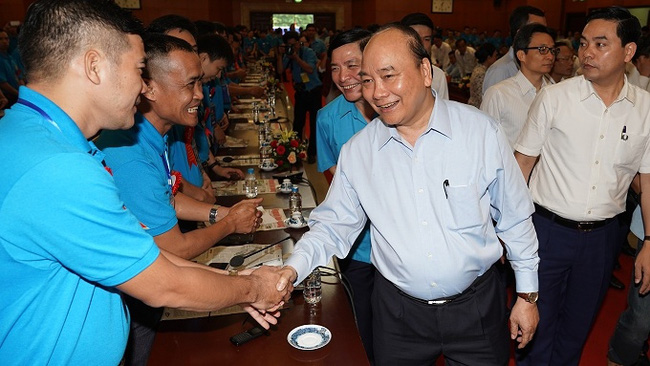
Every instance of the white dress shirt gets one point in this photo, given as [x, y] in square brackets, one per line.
[508, 103]
[441, 54]
[431, 206]
[589, 152]
[466, 62]
[439, 83]
[503, 68]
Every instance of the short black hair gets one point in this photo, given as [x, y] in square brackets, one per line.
[215, 46]
[54, 31]
[413, 41]
[170, 22]
[525, 34]
[484, 51]
[310, 25]
[519, 17]
[205, 27]
[290, 35]
[158, 46]
[628, 28]
[417, 19]
[354, 35]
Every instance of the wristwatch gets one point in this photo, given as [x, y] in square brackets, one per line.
[530, 297]
[213, 214]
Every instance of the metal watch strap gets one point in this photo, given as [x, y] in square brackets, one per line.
[213, 214]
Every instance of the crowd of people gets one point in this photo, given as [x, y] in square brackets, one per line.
[430, 203]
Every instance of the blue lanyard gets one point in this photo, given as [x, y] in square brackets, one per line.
[38, 109]
[165, 160]
[47, 117]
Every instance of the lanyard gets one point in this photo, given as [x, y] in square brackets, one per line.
[165, 160]
[38, 109]
[47, 117]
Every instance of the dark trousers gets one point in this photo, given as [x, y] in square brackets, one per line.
[361, 277]
[574, 272]
[144, 323]
[307, 101]
[470, 330]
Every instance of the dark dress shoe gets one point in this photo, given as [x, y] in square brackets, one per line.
[616, 283]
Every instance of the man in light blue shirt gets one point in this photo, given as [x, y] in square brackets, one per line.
[431, 181]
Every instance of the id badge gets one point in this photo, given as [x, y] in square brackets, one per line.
[304, 77]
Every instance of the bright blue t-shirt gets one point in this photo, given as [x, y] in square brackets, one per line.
[137, 157]
[178, 157]
[66, 241]
[210, 114]
[336, 123]
[318, 46]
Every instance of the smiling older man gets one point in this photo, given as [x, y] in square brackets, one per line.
[430, 176]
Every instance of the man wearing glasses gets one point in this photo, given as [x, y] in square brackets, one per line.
[587, 138]
[563, 68]
[508, 101]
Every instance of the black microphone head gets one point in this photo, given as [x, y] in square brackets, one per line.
[236, 261]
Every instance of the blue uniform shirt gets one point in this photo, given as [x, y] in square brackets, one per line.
[137, 158]
[65, 239]
[336, 123]
[9, 71]
[309, 56]
[318, 46]
[178, 157]
[431, 206]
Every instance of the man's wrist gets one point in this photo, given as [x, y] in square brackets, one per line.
[646, 238]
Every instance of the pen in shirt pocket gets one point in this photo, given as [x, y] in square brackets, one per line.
[445, 184]
[624, 133]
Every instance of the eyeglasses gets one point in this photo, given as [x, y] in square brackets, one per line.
[544, 50]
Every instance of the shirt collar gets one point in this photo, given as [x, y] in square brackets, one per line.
[148, 133]
[587, 89]
[438, 122]
[60, 119]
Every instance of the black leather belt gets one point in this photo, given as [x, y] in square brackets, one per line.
[576, 225]
[448, 299]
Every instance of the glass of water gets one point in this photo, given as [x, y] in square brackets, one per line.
[313, 291]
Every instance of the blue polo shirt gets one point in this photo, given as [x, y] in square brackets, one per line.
[137, 158]
[318, 46]
[309, 56]
[336, 123]
[178, 156]
[65, 242]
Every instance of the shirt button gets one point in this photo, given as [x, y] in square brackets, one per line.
[433, 284]
[597, 161]
[593, 187]
[420, 190]
[602, 137]
[424, 223]
[429, 255]
[589, 212]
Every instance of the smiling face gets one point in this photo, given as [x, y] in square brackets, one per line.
[534, 62]
[601, 53]
[346, 64]
[211, 69]
[124, 86]
[395, 84]
[176, 89]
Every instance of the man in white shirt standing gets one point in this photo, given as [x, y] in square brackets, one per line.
[440, 51]
[506, 66]
[465, 57]
[587, 138]
[509, 100]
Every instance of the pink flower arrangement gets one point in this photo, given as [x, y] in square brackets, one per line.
[288, 149]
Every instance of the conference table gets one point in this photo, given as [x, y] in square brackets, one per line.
[206, 340]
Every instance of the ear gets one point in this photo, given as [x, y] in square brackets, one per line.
[520, 55]
[426, 69]
[93, 63]
[630, 50]
[150, 92]
[203, 57]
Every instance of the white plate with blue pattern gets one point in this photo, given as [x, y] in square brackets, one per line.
[309, 337]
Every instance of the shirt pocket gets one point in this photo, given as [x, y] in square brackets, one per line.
[464, 204]
[628, 154]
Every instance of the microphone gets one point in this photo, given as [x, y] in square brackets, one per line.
[238, 260]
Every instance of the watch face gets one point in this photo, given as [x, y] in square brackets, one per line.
[532, 297]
